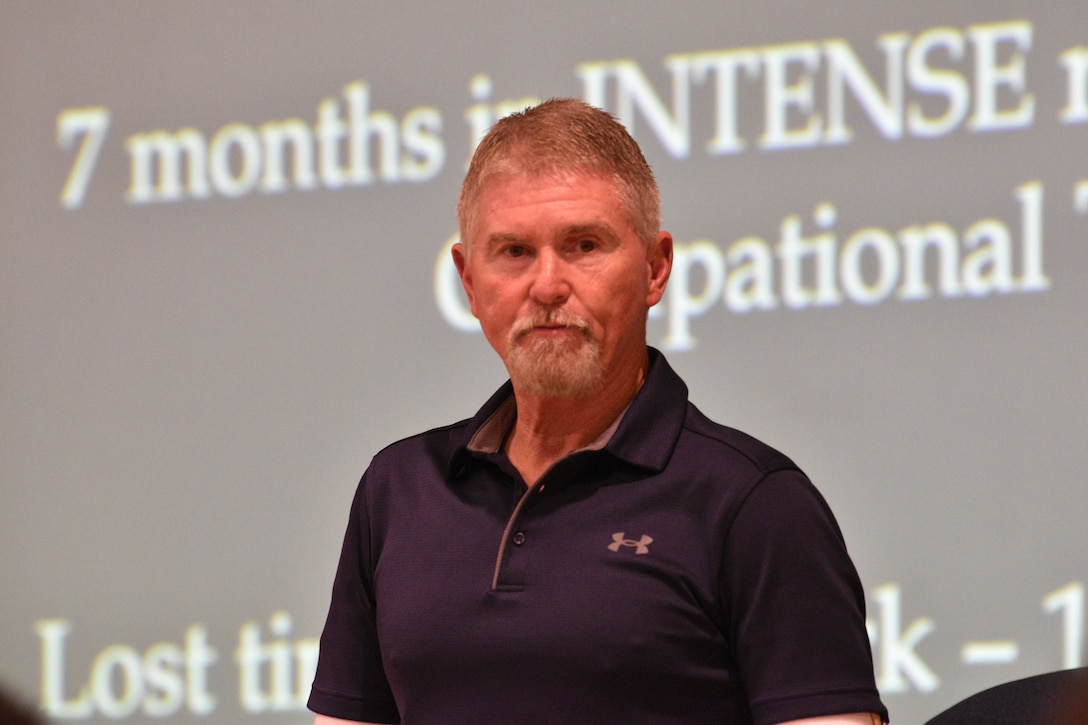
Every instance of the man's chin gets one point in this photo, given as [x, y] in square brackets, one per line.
[555, 368]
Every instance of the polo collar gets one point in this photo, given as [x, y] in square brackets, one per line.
[648, 432]
[644, 435]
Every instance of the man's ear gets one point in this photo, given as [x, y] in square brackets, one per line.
[460, 260]
[658, 267]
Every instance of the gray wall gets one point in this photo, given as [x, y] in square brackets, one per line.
[882, 227]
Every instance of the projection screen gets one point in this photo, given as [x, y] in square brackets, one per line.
[225, 285]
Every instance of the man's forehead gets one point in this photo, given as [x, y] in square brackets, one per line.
[507, 218]
[501, 183]
[500, 180]
[596, 228]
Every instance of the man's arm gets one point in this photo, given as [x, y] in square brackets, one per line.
[791, 583]
[326, 720]
[854, 718]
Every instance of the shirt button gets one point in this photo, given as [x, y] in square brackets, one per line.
[519, 539]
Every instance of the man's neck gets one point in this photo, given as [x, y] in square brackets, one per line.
[548, 429]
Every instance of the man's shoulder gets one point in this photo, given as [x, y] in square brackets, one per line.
[434, 445]
[438, 452]
[717, 440]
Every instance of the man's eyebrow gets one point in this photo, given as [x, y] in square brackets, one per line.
[595, 229]
[599, 229]
[499, 238]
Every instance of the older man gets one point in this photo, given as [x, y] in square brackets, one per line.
[589, 547]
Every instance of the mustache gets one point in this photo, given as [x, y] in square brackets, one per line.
[550, 317]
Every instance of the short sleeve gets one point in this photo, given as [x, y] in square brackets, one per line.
[350, 683]
[795, 606]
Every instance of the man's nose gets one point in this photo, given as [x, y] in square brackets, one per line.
[551, 284]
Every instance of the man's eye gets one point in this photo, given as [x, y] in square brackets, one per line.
[586, 245]
[515, 251]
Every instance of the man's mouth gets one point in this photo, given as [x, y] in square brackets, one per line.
[549, 324]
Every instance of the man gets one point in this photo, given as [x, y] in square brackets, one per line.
[589, 547]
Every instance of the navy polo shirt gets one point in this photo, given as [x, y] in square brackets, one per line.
[677, 572]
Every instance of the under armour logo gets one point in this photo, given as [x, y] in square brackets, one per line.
[642, 546]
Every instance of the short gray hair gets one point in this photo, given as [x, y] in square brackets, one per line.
[564, 135]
